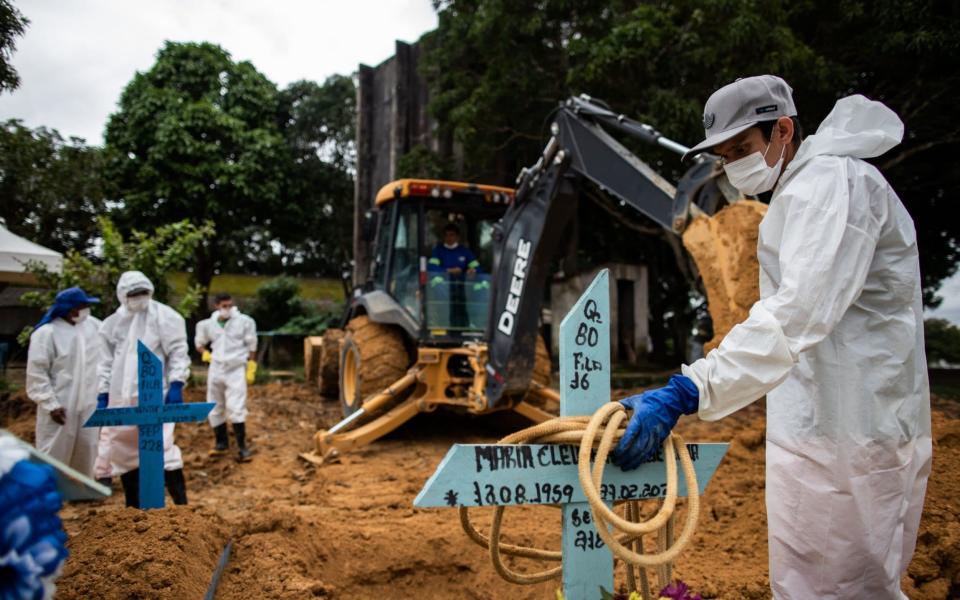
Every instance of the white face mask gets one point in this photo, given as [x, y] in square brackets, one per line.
[137, 303]
[225, 313]
[752, 175]
[450, 246]
[82, 315]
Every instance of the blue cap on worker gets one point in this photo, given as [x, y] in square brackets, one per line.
[64, 302]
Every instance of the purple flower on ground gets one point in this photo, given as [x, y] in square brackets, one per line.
[678, 591]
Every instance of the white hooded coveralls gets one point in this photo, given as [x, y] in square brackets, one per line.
[232, 342]
[164, 332]
[61, 373]
[836, 343]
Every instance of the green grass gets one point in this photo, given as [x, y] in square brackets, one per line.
[245, 286]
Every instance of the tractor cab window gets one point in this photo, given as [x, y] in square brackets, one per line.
[382, 245]
[458, 282]
[404, 273]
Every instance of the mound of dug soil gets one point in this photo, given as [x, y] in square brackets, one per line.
[935, 570]
[17, 414]
[349, 530]
[124, 553]
[725, 249]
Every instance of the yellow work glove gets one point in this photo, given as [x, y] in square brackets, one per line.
[251, 371]
[206, 356]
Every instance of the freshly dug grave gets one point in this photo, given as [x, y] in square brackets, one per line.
[724, 247]
[120, 553]
[348, 530]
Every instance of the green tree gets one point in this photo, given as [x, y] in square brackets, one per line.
[52, 189]
[196, 137]
[497, 68]
[315, 226]
[12, 25]
[167, 248]
[278, 301]
[421, 162]
[942, 340]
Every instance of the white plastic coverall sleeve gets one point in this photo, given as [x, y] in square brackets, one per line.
[836, 343]
[61, 367]
[823, 263]
[164, 332]
[40, 358]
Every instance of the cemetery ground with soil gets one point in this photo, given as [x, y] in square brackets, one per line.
[348, 530]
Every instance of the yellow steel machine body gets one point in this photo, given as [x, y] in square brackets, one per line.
[443, 373]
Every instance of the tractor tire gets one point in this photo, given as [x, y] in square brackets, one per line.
[541, 364]
[372, 357]
[328, 377]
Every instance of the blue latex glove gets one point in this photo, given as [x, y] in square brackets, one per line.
[102, 400]
[655, 413]
[175, 393]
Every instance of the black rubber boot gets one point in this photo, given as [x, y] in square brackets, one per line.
[176, 486]
[240, 432]
[131, 487]
[222, 440]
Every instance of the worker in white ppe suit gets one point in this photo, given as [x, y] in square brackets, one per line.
[232, 337]
[835, 343]
[61, 379]
[164, 332]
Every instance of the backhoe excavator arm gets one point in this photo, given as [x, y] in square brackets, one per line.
[529, 235]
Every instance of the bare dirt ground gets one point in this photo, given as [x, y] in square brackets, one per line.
[348, 530]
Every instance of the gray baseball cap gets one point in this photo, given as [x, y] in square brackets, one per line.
[739, 105]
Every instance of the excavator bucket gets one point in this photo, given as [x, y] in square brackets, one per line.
[724, 247]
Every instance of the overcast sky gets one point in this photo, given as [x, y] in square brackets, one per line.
[77, 55]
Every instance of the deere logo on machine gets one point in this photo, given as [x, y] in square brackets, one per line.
[507, 317]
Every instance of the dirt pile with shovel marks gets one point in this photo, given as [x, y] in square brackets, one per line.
[349, 530]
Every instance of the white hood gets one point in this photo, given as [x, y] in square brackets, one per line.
[130, 281]
[856, 127]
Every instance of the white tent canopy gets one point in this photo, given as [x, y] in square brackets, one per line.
[16, 251]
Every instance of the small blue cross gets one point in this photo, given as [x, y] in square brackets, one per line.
[149, 416]
[506, 474]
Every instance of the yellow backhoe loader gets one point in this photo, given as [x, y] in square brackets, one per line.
[421, 334]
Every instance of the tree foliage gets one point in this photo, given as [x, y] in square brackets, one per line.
[278, 301]
[196, 137]
[52, 189]
[207, 138]
[156, 253]
[942, 340]
[12, 25]
[497, 69]
[316, 224]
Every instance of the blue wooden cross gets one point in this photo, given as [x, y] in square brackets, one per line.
[149, 416]
[504, 474]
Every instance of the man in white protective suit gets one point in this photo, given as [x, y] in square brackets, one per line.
[232, 336]
[164, 332]
[61, 379]
[835, 343]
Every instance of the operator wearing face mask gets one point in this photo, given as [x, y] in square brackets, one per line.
[233, 338]
[835, 343]
[164, 332]
[61, 379]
